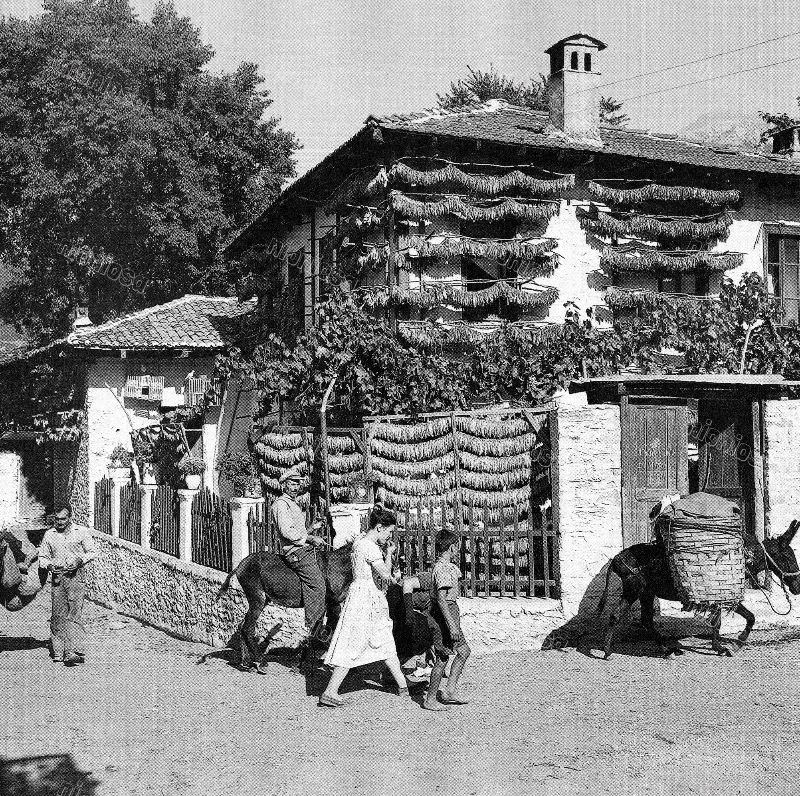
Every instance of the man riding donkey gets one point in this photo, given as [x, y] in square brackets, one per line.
[298, 549]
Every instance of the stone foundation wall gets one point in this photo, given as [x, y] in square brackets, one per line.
[589, 498]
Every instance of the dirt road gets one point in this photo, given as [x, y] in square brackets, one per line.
[141, 717]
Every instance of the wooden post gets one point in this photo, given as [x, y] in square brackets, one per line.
[389, 235]
[323, 424]
[185, 499]
[146, 518]
[457, 473]
[116, 490]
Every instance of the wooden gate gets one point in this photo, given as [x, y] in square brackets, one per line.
[130, 513]
[211, 531]
[102, 505]
[654, 461]
[164, 523]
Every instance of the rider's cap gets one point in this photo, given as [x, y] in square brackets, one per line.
[290, 475]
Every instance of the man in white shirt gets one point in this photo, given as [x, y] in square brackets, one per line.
[290, 520]
[65, 550]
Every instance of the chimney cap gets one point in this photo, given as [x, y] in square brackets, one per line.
[577, 38]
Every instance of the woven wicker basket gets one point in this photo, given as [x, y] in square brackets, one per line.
[706, 557]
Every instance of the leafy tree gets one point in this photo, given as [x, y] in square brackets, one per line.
[125, 162]
[480, 86]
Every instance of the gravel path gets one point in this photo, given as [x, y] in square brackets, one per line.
[141, 717]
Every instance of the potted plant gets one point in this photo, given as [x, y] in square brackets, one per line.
[119, 464]
[240, 470]
[192, 469]
[144, 450]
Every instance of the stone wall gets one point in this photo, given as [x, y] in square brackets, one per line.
[177, 596]
[589, 498]
[782, 428]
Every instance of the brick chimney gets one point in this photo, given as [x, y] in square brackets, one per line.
[574, 101]
[80, 317]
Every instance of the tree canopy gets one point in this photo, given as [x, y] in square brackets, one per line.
[125, 162]
[480, 86]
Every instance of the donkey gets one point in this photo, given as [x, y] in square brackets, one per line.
[18, 585]
[644, 572]
[265, 577]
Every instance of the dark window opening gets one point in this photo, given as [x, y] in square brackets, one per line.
[669, 283]
[701, 283]
[573, 61]
[587, 62]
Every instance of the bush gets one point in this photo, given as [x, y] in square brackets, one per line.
[240, 470]
[121, 457]
[144, 450]
[192, 465]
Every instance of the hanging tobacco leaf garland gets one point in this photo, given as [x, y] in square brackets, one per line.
[428, 334]
[424, 486]
[645, 299]
[492, 210]
[666, 229]
[663, 193]
[276, 470]
[483, 184]
[421, 469]
[378, 256]
[360, 184]
[495, 447]
[434, 295]
[419, 451]
[493, 464]
[345, 478]
[341, 444]
[416, 432]
[285, 458]
[344, 463]
[496, 482]
[281, 441]
[492, 428]
[613, 261]
[534, 249]
[401, 502]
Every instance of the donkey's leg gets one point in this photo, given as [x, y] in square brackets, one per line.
[629, 596]
[671, 647]
[716, 644]
[256, 601]
[749, 618]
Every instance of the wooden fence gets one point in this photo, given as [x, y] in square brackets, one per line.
[263, 535]
[511, 555]
[130, 513]
[164, 522]
[211, 531]
[102, 504]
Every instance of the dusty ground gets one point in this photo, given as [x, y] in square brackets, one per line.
[141, 717]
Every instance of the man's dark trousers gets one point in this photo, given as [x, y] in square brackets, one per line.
[303, 561]
[66, 620]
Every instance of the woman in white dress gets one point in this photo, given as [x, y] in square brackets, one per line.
[364, 631]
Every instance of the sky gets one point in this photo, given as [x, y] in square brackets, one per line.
[329, 65]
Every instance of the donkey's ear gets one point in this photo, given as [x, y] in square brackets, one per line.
[789, 533]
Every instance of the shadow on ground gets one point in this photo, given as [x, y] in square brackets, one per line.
[47, 775]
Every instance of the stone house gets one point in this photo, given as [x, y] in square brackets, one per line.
[452, 221]
[130, 372]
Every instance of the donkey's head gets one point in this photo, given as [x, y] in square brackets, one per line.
[781, 558]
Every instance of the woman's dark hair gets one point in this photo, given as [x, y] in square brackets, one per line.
[381, 516]
[444, 541]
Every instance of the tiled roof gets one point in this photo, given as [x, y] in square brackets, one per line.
[502, 122]
[193, 322]
[12, 344]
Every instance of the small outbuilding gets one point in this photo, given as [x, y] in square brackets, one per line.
[625, 441]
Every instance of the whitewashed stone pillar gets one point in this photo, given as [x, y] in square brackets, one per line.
[240, 536]
[116, 489]
[185, 498]
[147, 492]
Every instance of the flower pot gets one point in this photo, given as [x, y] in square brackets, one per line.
[149, 473]
[118, 472]
[193, 480]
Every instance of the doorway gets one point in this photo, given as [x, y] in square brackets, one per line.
[681, 446]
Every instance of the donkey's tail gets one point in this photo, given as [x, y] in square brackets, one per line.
[237, 570]
[602, 604]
